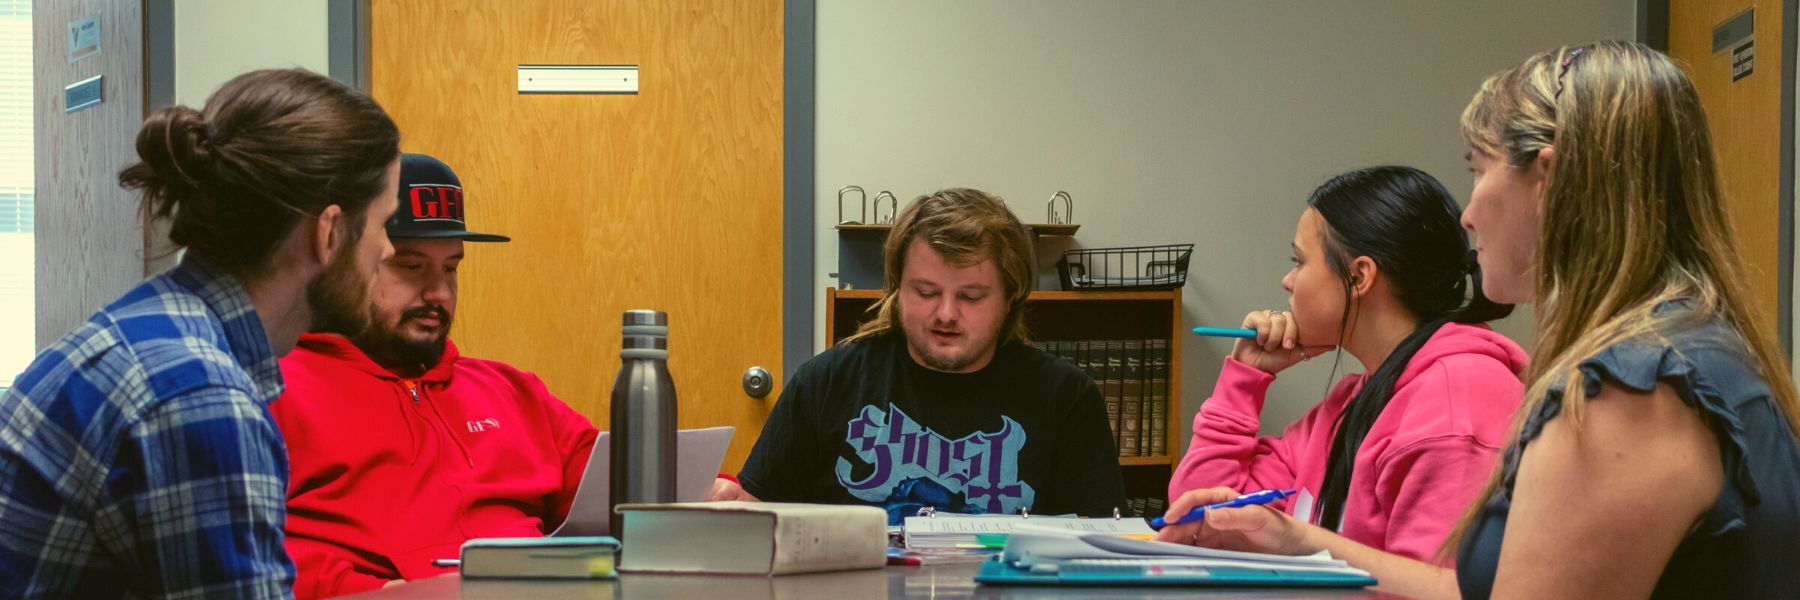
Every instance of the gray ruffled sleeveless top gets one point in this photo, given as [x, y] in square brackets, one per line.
[1747, 545]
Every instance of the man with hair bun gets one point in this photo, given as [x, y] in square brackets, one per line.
[137, 456]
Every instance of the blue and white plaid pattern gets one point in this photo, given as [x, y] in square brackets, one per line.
[137, 454]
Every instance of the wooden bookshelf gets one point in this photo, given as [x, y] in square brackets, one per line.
[1080, 315]
[1138, 461]
[881, 230]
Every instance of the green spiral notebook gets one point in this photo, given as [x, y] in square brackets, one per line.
[1044, 556]
[540, 557]
[1112, 572]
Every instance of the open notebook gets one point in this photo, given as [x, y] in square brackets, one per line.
[946, 530]
[1047, 556]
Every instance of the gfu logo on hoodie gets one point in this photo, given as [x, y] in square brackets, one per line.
[484, 425]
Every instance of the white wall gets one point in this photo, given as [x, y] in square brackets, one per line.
[1169, 122]
[216, 40]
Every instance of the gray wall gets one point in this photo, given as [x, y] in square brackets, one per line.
[1169, 122]
[216, 40]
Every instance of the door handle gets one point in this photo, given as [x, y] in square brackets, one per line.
[758, 382]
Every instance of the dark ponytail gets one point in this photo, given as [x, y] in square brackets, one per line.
[272, 147]
[1405, 221]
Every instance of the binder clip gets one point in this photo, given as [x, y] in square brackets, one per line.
[862, 202]
[893, 207]
[1068, 213]
[929, 512]
[1115, 513]
[1024, 512]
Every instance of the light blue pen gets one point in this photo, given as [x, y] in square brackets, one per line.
[1227, 332]
[1199, 512]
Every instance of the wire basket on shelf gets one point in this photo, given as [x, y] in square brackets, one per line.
[1135, 268]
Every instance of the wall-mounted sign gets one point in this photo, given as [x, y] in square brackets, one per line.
[1738, 34]
[1743, 60]
[1737, 29]
[81, 95]
[84, 38]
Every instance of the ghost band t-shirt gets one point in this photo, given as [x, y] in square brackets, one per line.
[864, 423]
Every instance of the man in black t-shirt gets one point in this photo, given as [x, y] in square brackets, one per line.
[939, 401]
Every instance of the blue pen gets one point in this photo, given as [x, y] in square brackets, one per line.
[1248, 334]
[1199, 512]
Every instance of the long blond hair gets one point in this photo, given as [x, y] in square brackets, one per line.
[964, 226]
[1632, 215]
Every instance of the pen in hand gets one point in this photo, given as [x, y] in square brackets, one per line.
[1199, 512]
[1226, 332]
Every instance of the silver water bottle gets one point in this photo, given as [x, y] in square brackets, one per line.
[643, 416]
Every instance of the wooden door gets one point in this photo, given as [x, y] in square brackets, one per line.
[1745, 116]
[669, 199]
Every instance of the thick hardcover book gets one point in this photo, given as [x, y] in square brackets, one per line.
[1091, 356]
[752, 538]
[1159, 397]
[1134, 392]
[1130, 413]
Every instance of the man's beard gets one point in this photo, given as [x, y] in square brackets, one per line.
[978, 345]
[339, 297]
[403, 355]
[947, 364]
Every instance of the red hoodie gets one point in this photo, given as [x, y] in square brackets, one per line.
[384, 481]
[1424, 460]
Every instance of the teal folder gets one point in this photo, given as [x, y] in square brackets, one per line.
[998, 572]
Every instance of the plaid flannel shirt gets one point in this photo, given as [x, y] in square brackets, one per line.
[137, 454]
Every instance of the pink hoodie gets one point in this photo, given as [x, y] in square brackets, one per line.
[1422, 463]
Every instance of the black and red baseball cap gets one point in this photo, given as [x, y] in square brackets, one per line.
[431, 203]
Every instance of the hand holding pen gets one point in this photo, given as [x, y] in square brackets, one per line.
[1250, 499]
[1270, 341]
[1231, 521]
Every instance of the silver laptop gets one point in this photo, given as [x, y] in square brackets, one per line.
[699, 452]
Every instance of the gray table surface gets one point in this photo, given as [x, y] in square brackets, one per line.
[935, 581]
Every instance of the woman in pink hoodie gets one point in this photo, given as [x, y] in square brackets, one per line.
[1392, 456]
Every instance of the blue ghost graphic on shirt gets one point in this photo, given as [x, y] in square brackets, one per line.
[982, 468]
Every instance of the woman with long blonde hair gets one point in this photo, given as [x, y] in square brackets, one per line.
[1655, 450]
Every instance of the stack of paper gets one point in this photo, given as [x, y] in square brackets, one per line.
[919, 557]
[977, 531]
[1033, 546]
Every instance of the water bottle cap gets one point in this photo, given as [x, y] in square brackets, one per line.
[646, 331]
[646, 342]
[646, 317]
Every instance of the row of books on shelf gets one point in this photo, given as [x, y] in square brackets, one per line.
[1145, 507]
[1133, 376]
